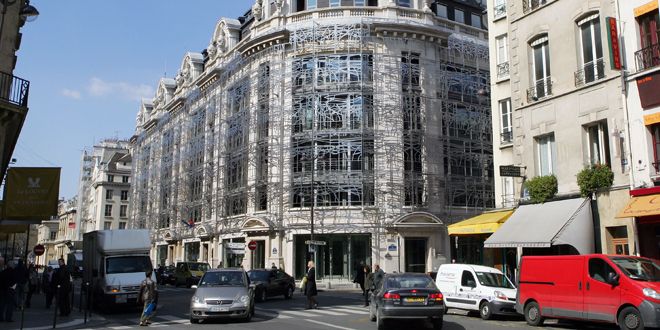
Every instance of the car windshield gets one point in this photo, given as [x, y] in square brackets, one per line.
[638, 269]
[202, 267]
[222, 279]
[409, 282]
[495, 280]
[258, 275]
[133, 264]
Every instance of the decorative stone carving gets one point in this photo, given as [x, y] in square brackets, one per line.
[257, 10]
[427, 6]
[212, 50]
[221, 41]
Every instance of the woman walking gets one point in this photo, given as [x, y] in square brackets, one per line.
[310, 286]
[368, 284]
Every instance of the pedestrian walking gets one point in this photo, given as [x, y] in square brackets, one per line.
[21, 273]
[8, 286]
[62, 277]
[359, 277]
[310, 286]
[33, 282]
[378, 276]
[147, 296]
[368, 284]
[47, 285]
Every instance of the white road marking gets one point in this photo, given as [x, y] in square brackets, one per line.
[272, 314]
[351, 311]
[172, 318]
[304, 314]
[121, 327]
[327, 312]
[329, 324]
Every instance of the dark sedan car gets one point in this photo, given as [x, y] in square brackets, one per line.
[165, 275]
[272, 282]
[407, 296]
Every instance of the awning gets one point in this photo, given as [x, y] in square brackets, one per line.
[484, 223]
[544, 225]
[641, 206]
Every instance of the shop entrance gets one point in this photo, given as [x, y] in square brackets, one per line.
[234, 252]
[415, 254]
[338, 259]
[259, 255]
[161, 255]
[192, 251]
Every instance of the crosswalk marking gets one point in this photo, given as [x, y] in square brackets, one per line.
[260, 311]
[350, 311]
[297, 313]
[172, 318]
[327, 312]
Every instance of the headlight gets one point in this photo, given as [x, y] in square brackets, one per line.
[244, 299]
[197, 300]
[112, 288]
[651, 293]
[500, 295]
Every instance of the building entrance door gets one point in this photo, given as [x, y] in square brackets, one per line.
[259, 255]
[415, 254]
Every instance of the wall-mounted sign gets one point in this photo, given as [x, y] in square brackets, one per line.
[274, 251]
[32, 192]
[511, 170]
[235, 245]
[391, 248]
[613, 43]
[648, 87]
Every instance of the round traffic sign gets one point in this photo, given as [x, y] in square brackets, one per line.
[39, 249]
[252, 245]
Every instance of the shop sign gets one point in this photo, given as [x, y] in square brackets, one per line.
[32, 192]
[648, 87]
[391, 248]
[510, 171]
[235, 246]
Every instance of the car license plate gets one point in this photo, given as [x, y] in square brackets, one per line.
[414, 300]
[219, 309]
[120, 298]
[132, 296]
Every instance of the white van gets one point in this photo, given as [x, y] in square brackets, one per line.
[474, 287]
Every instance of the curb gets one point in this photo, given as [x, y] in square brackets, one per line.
[72, 323]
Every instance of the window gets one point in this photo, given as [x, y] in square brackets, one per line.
[540, 68]
[598, 150]
[441, 11]
[124, 195]
[649, 34]
[124, 179]
[404, 3]
[311, 4]
[599, 269]
[508, 192]
[546, 154]
[53, 235]
[506, 132]
[107, 225]
[618, 240]
[467, 279]
[108, 194]
[122, 225]
[475, 20]
[111, 178]
[501, 42]
[459, 16]
[358, 3]
[108, 210]
[122, 211]
[499, 9]
[529, 5]
[592, 51]
[335, 3]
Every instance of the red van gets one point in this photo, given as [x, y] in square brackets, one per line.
[617, 289]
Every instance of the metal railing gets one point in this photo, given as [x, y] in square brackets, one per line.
[499, 11]
[503, 70]
[541, 89]
[590, 72]
[506, 137]
[529, 5]
[648, 57]
[14, 89]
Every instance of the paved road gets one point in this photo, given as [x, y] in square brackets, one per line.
[337, 310]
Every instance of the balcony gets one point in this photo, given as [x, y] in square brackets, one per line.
[648, 57]
[506, 137]
[499, 11]
[590, 72]
[503, 70]
[542, 88]
[530, 5]
[14, 90]
[13, 109]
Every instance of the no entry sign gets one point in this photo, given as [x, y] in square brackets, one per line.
[252, 245]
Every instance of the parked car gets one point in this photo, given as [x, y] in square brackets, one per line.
[223, 293]
[616, 289]
[407, 296]
[165, 275]
[188, 273]
[74, 263]
[477, 288]
[272, 282]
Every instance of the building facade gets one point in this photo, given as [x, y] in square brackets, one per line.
[361, 125]
[104, 188]
[47, 236]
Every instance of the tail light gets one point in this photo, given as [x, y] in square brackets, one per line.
[391, 296]
[435, 296]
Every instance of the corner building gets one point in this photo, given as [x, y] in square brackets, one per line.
[368, 119]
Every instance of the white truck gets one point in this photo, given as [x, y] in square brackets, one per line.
[115, 262]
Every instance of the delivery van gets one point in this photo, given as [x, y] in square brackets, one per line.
[615, 289]
[476, 288]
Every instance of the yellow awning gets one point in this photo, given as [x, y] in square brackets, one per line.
[641, 206]
[482, 224]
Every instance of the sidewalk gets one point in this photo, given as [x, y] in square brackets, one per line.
[38, 317]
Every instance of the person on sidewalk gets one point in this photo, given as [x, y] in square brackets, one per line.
[47, 285]
[378, 276]
[310, 286]
[33, 281]
[359, 277]
[63, 279]
[21, 274]
[368, 284]
[8, 286]
[147, 295]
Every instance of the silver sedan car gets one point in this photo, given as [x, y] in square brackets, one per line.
[222, 293]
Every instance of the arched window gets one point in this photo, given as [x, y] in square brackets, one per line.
[591, 50]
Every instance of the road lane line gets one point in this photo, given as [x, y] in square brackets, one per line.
[351, 311]
[329, 325]
[327, 312]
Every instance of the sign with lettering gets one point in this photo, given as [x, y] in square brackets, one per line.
[32, 193]
[648, 87]
[511, 170]
[613, 43]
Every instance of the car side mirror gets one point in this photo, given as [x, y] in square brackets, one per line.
[613, 278]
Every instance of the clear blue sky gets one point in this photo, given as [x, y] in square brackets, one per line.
[90, 61]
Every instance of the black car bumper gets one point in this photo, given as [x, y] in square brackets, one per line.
[503, 307]
[412, 312]
[650, 314]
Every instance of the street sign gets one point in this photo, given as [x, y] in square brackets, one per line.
[252, 245]
[511, 170]
[39, 249]
[308, 242]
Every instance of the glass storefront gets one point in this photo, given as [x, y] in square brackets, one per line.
[234, 252]
[338, 259]
[161, 256]
[191, 251]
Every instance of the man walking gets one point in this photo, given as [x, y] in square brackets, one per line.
[378, 276]
[310, 286]
[148, 296]
[8, 287]
[63, 279]
[47, 285]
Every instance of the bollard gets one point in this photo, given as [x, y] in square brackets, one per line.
[57, 302]
[81, 295]
[86, 300]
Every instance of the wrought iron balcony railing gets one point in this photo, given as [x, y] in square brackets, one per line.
[542, 88]
[590, 72]
[506, 137]
[499, 11]
[529, 5]
[14, 89]
[648, 57]
[503, 70]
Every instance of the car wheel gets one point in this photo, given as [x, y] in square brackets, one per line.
[630, 319]
[437, 323]
[289, 293]
[380, 323]
[248, 318]
[372, 315]
[533, 314]
[485, 311]
[194, 320]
